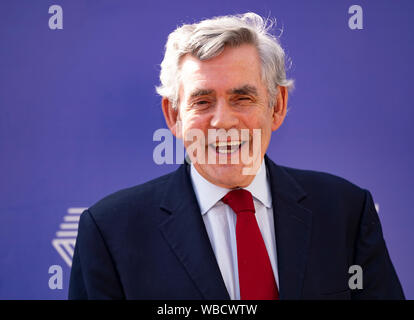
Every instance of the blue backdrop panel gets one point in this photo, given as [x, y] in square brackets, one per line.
[78, 111]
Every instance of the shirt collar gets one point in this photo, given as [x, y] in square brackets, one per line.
[208, 194]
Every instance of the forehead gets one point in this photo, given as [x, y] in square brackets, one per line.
[234, 67]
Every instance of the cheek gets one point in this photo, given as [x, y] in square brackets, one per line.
[194, 122]
[263, 122]
[194, 128]
[259, 120]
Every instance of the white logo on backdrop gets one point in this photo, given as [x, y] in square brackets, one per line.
[65, 240]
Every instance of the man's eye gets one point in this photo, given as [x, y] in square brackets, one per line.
[244, 99]
[201, 104]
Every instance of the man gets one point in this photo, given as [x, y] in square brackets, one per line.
[232, 224]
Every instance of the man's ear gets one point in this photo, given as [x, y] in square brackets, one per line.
[172, 117]
[280, 108]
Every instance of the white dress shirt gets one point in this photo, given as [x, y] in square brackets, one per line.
[220, 222]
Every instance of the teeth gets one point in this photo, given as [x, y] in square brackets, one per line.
[227, 147]
[224, 151]
[225, 144]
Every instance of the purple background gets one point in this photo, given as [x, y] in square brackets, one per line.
[78, 110]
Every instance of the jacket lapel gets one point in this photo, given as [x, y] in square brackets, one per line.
[184, 230]
[293, 225]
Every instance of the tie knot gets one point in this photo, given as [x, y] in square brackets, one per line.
[240, 200]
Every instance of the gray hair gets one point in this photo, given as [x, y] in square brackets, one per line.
[208, 38]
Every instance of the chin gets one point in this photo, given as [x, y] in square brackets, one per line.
[228, 176]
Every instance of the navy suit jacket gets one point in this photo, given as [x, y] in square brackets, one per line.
[150, 242]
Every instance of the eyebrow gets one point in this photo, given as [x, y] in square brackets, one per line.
[200, 92]
[243, 90]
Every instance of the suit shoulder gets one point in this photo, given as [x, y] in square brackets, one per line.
[325, 183]
[130, 199]
[331, 196]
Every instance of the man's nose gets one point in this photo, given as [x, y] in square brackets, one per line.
[224, 116]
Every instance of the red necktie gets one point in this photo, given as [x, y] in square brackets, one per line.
[256, 278]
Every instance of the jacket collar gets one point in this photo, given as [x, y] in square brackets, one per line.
[293, 224]
[208, 194]
[184, 230]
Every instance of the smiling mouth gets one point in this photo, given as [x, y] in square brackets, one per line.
[230, 147]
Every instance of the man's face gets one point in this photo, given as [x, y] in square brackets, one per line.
[226, 92]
